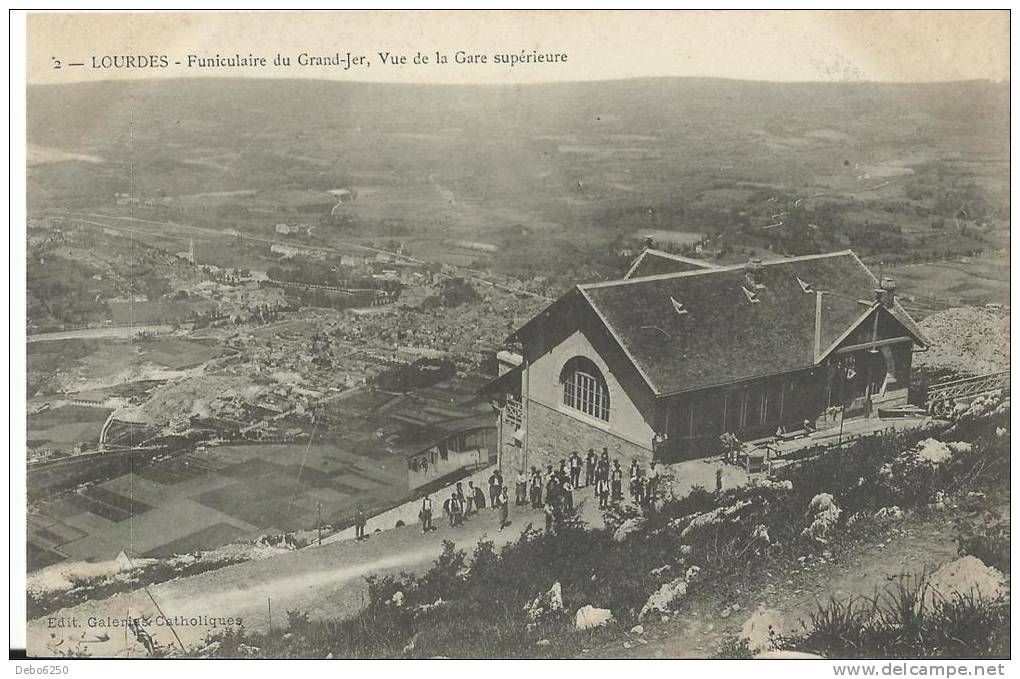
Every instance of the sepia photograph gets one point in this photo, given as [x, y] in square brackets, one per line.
[514, 335]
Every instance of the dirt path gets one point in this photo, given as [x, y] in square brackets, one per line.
[699, 630]
[326, 581]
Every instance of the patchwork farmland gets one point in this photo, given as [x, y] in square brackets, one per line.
[209, 498]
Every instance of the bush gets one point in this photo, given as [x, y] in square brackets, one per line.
[991, 544]
[900, 624]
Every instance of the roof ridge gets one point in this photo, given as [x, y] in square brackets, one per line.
[634, 265]
[679, 258]
[716, 269]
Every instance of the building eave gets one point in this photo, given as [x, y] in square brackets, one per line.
[733, 383]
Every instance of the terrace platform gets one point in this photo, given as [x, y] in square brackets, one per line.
[760, 455]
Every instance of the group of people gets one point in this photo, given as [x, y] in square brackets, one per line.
[550, 489]
[465, 502]
[559, 484]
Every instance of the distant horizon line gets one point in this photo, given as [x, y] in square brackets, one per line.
[147, 80]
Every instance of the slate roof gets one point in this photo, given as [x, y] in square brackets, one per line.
[653, 262]
[725, 337]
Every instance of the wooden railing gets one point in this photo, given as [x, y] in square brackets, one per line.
[969, 386]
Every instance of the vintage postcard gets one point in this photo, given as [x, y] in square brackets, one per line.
[517, 334]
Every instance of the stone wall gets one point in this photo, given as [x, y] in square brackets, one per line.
[553, 435]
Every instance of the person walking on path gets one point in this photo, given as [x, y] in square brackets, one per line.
[504, 508]
[359, 524]
[426, 514]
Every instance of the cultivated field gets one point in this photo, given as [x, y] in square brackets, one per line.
[209, 498]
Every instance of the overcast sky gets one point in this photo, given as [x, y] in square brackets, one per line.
[755, 45]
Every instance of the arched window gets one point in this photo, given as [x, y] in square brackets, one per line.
[584, 388]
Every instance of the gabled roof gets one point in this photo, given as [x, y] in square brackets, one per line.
[725, 336]
[653, 262]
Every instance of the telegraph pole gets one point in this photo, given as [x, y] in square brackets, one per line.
[319, 521]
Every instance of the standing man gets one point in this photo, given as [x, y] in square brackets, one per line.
[426, 514]
[359, 524]
[552, 489]
[640, 485]
[536, 488]
[504, 508]
[575, 469]
[589, 469]
[479, 497]
[567, 493]
[460, 497]
[448, 508]
[522, 489]
[493, 488]
[617, 481]
[635, 474]
[469, 499]
[458, 509]
[602, 492]
[653, 479]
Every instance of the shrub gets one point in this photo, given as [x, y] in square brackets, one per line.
[991, 544]
[297, 621]
[902, 623]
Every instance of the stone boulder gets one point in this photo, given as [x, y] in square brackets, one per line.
[627, 527]
[544, 605]
[965, 577]
[825, 513]
[589, 617]
[661, 600]
[933, 450]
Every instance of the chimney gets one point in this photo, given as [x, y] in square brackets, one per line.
[885, 293]
[753, 274]
[649, 243]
